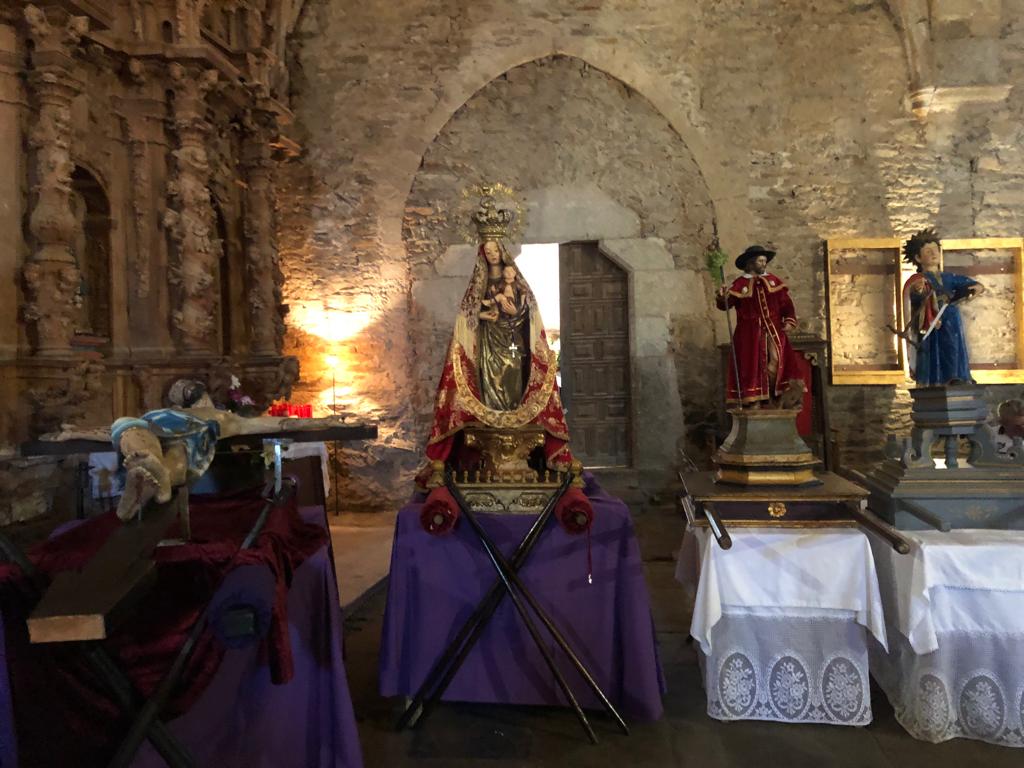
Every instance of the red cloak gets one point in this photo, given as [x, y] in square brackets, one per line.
[764, 312]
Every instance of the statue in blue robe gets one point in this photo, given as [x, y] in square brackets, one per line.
[935, 331]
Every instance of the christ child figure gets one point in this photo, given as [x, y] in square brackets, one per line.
[502, 296]
[508, 297]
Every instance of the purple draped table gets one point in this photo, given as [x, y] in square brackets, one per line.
[437, 581]
[242, 718]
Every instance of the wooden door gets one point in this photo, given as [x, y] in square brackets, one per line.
[595, 355]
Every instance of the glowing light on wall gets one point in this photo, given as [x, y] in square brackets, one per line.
[331, 325]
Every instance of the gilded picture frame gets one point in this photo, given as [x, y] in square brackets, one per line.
[878, 263]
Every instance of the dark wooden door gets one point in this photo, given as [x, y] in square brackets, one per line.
[595, 355]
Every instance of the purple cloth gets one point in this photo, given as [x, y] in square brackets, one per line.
[8, 744]
[248, 587]
[244, 719]
[437, 581]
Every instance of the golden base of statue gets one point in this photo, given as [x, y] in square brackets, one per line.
[764, 448]
[504, 481]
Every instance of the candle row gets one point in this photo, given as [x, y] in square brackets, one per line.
[288, 409]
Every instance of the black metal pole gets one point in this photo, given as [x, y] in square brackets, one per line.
[497, 561]
[497, 557]
[449, 663]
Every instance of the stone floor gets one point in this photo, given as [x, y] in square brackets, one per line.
[362, 555]
[462, 735]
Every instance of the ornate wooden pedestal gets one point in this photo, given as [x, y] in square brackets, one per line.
[764, 448]
[911, 491]
[504, 481]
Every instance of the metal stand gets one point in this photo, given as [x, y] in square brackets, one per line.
[508, 581]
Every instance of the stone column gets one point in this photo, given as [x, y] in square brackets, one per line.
[12, 247]
[190, 217]
[263, 272]
[51, 275]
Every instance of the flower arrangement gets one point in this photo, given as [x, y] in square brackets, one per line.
[716, 260]
[239, 402]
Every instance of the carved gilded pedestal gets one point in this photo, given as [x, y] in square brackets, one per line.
[503, 480]
[764, 448]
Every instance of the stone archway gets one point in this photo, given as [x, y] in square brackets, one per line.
[577, 147]
[404, 155]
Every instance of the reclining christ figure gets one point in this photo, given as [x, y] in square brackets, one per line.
[170, 447]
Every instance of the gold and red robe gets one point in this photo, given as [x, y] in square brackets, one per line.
[460, 402]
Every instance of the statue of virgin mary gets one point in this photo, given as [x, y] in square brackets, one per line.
[499, 371]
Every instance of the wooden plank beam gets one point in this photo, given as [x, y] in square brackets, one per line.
[325, 435]
[88, 604]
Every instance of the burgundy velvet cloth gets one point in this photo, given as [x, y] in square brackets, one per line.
[574, 511]
[51, 684]
[439, 504]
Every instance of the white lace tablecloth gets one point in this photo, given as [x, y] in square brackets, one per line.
[955, 612]
[782, 620]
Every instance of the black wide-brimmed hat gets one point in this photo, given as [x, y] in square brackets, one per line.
[752, 252]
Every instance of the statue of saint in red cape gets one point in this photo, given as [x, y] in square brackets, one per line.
[765, 358]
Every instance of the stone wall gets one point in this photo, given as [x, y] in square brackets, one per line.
[797, 117]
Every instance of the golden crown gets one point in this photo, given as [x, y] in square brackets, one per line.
[491, 221]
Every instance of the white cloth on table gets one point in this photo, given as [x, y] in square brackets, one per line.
[816, 569]
[782, 620]
[955, 610]
[990, 562]
[788, 665]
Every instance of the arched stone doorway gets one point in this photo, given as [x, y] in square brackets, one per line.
[577, 143]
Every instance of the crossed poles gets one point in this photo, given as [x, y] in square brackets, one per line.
[444, 669]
